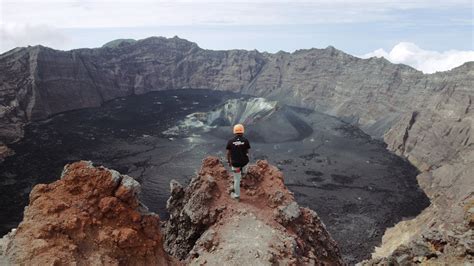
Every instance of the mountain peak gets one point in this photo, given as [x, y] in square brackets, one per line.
[119, 42]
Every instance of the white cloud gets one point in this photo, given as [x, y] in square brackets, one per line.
[102, 14]
[67, 24]
[424, 60]
[139, 13]
[15, 34]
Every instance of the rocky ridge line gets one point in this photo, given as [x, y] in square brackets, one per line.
[38, 82]
[267, 226]
[92, 215]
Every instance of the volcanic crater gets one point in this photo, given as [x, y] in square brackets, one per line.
[355, 185]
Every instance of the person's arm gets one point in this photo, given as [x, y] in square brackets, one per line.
[228, 147]
[248, 148]
[229, 161]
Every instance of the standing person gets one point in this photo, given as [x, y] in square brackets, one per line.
[237, 157]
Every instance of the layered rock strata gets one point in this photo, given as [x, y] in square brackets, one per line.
[38, 82]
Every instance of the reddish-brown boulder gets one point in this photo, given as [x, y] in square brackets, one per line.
[91, 216]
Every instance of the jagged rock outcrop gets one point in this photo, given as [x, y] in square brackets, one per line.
[267, 226]
[426, 118]
[91, 216]
[430, 244]
[432, 247]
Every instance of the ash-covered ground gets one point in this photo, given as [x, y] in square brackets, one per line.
[355, 185]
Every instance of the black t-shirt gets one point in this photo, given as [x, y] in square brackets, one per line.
[238, 147]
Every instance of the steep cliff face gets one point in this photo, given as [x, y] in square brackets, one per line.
[425, 118]
[92, 216]
[373, 92]
[438, 139]
[16, 96]
[39, 82]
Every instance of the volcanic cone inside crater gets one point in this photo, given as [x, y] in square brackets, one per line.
[267, 121]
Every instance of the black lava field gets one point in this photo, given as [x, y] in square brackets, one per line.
[355, 185]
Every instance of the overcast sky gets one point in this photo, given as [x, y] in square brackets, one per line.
[429, 35]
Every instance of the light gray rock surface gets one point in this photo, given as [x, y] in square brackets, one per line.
[426, 118]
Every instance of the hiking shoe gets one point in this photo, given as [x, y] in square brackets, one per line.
[234, 196]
